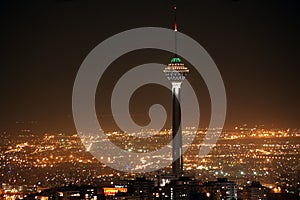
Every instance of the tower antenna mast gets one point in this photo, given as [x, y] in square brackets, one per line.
[175, 28]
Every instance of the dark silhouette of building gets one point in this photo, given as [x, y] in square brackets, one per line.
[67, 193]
[181, 188]
[141, 188]
[222, 189]
[255, 191]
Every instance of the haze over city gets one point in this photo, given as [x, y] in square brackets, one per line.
[253, 43]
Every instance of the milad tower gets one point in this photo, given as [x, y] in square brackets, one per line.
[176, 73]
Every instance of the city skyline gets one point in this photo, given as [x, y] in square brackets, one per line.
[241, 155]
[254, 44]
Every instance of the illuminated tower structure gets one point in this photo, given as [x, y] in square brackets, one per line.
[176, 73]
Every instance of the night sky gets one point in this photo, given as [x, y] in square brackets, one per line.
[254, 43]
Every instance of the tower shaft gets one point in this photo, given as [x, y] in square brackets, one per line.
[177, 164]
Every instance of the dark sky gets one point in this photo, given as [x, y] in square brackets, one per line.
[254, 43]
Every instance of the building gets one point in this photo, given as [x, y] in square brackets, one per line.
[255, 191]
[176, 73]
[222, 189]
[67, 193]
[140, 188]
[185, 188]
